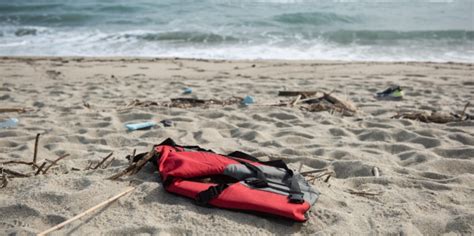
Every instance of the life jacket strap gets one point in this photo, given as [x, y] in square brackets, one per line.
[212, 192]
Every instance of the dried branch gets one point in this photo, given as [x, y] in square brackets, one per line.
[464, 110]
[363, 193]
[103, 160]
[36, 149]
[40, 168]
[54, 162]
[20, 162]
[13, 109]
[135, 166]
[13, 173]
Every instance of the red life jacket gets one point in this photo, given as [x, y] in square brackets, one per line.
[237, 181]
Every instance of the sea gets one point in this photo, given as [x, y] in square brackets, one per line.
[350, 30]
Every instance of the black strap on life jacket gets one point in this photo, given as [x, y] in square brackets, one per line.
[212, 192]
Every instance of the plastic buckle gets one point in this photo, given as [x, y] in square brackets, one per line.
[296, 198]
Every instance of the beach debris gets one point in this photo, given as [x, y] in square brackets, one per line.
[304, 94]
[313, 175]
[9, 123]
[394, 93]
[194, 102]
[13, 109]
[40, 168]
[35, 153]
[167, 123]
[86, 104]
[363, 193]
[136, 165]
[84, 213]
[99, 164]
[375, 171]
[139, 126]
[54, 162]
[13, 173]
[325, 102]
[187, 91]
[248, 100]
[435, 116]
[4, 180]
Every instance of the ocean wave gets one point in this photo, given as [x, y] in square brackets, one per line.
[183, 36]
[17, 8]
[69, 19]
[314, 18]
[387, 36]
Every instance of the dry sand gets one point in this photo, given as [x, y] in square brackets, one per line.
[427, 170]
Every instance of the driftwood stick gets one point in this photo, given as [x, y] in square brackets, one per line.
[304, 94]
[14, 173]
[58, 226]
[297, 99]
[135, 166]
[363, 193]
[143, 161]
[12, 109]
[36, 149]
[40, 168]
[108, 164]
[4, 180]
[89, 164]
[464, 110]
[304, 173]
[20, 162]
[54, 162]
[123, 172]
[103, 160]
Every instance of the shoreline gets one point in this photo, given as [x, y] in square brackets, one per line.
[151, 59]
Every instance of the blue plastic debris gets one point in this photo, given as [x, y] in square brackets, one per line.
[8, 123]
[248, 100]
[137, 126]
[187, 91]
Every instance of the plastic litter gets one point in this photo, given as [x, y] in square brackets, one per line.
[248, 100]
[187, 91]
[138, 126]
[9, 123]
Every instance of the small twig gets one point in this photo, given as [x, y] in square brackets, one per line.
[8, 109]
[54, 162]
[135, 166]
[108, 164]
[363, 193]
[464, 110]
[89, 165]
[103, 160]
[124, 172]
[297, 99]
[40, 168]
[14, 173]
[20, 162]
[4, 180]
[304, 173]
[36, 149]
[86, 104]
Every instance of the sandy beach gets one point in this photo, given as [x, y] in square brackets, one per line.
[79, 107]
